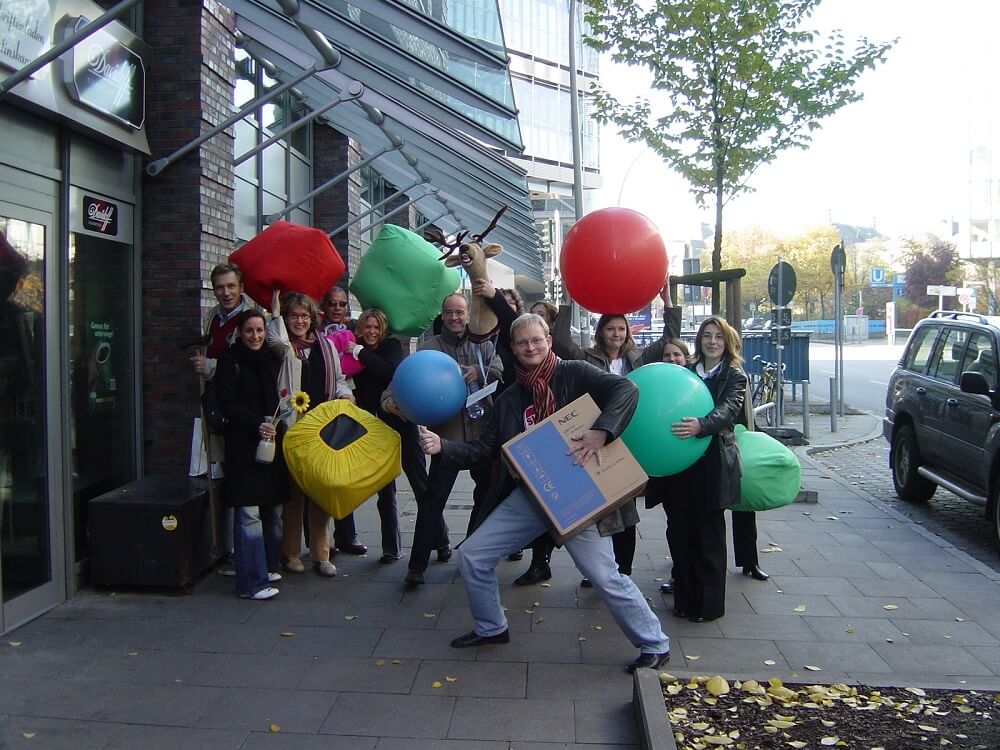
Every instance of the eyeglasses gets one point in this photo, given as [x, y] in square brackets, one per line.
[299, 316]
[529, 342]
[335, 303]
[452, 313]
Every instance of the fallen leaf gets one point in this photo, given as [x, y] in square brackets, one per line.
[597, 627]
[959, 619]
[890, 606]
[539, 620]
[692, 657]
[436, 684]
[133, 653]
[916, 691]
[287, 634]
[717, 686]
[27, 735]
[811, 668]
[545, 585]
[429, 615]
[828, 724]
[797, 744]
[770, 662]
[273, 728]
[450, 679]
[926, 728]
[15, 644]
[829, 741]
[529, 611]
[396, 661]
[350, 617]
[800, 608]
[850, 629]
[380, 663]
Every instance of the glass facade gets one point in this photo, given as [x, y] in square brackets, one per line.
[281, 173]
[545, 124]
[540, 28]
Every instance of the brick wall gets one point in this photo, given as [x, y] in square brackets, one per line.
[333, 153]
[187, 220]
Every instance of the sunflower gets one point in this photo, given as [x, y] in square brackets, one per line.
[300, 402]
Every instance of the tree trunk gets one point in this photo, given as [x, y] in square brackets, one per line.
[717, 246]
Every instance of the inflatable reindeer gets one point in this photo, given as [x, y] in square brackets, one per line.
[472, 257]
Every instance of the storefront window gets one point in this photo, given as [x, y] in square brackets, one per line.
[100, 345]
[24, 517]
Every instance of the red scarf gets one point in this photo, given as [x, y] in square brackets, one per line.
[303, 345]
[539, 382]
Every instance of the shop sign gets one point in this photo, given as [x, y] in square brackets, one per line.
[100, 216]
[24, 31]
[104, 74]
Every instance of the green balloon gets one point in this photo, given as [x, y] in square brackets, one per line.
[667, 394]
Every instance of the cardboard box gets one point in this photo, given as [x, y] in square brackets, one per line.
[572, 497]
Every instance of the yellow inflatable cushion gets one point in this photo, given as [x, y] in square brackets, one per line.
[340, 455]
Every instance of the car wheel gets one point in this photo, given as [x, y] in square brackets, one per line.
[909, 485]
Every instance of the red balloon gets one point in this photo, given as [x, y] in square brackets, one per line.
[613, 260]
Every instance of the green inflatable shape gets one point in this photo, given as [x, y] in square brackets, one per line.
[401, 274]
[771, 472]
[667, 394]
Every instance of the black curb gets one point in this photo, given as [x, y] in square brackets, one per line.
[655, 732]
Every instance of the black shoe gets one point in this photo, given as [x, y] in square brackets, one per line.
[668, 587]
[444, 553]
[755, 572]
[649, 661]
[354, 548]
[472, 638]
[515, 556]
[534, 574]
[680, 613]
[586, 584]
[389, 558]
[413, 579]
[701, 618]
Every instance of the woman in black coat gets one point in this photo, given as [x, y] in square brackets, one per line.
[695, 498]
[381, 355]
[247, 381]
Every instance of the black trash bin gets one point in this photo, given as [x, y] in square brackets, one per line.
[153, 532]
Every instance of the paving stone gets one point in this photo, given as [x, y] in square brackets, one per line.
[580, 681]
[855, 630]
[932, 661]
[358, 675]
[955, 582]
[846, 568]
[782, 604]
[821, 585]
[538, 720]
[255, 709]
[766, 627]
[483, 679]
[575, 621]
[57, 734]
[425, 644]
[288, 741]
[171, 738]
[891, 570]
[946, 633]
[842, 657]
[408, 743]
[277, 671]
[535, 647]
[605, 721]
[886, 587]
[569, 746]
[328, 641]
[378, 715]
[838, 554]
[915, 608]
[987, 655]
[724, 655]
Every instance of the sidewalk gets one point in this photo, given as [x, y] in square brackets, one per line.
[356, 662]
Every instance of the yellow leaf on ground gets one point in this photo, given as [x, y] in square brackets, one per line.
[273, 728]
[429, 615]
[396, 661]
[770, 662]
[717, 686]
[829, 741]
[800, 608]
[380, 663]
[890, 606]
[436, 684]
[287, 634]
[916, 691]
[15, 644]
[350, 617]
[450, 679]
[926, 728]
[811, 668]
[692, 657]
[27, 735]
[797, 744]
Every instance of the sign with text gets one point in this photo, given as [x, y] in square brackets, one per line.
[24, 31]
[572, 497]
[781, 283]
[940, 291]
[640, 320]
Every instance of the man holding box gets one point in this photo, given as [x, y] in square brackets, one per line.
[508, 520]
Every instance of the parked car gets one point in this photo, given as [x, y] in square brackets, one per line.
[942, 412]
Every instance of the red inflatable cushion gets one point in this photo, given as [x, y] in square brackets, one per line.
[290, 258]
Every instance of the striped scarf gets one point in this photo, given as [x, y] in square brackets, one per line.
[539, 382]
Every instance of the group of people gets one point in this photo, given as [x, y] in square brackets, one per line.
[538, 369]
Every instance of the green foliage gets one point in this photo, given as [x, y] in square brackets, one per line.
[928, 262]
[742, 80]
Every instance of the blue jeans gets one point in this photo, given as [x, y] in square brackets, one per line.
[256, 546]
[510, 528]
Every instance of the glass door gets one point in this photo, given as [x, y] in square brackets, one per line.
[32, 577]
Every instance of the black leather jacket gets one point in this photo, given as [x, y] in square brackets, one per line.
[724, 467]
[614, 395]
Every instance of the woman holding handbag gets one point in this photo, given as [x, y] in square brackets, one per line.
[695, 498]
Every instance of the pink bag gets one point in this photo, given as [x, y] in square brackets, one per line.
[343, 341]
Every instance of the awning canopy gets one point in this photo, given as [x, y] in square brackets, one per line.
[444, 95]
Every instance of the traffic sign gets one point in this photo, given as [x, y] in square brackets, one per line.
[781, 316]
[781, 335]
[784, 275]
[859, 312]
[964, 299]
[838, 259]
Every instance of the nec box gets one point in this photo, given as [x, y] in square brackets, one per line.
[572, 497]
[153, 532]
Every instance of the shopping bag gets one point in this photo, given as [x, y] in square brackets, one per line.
[771, 473]
[199, 458]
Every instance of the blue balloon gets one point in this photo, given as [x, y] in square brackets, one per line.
[428, 388]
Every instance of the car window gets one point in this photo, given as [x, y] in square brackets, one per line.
[920, 348]
[948, 357]
[980, 357]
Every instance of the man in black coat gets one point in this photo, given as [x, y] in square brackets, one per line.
[507, 519]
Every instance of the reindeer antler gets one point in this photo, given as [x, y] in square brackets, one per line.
[436, 236]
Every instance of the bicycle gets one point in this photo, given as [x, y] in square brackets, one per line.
[762, 397]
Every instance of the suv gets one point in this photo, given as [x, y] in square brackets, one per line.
[942, 412]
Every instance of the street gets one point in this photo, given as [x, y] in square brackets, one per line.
[867, 368]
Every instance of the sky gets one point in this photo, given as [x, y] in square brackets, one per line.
[896, 160]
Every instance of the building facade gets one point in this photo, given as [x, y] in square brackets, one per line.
[152, 148]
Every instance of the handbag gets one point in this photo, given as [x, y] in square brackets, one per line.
[215, 419]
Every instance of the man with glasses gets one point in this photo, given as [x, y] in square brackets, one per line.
[480, 367]
[336, 311]
[508, 519]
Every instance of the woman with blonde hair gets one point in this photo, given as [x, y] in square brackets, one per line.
[695, 498]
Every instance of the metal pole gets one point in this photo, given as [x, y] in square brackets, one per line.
[155, 167]
[574, 127]
[386, 215]
[779, 405]
[67, 44]
[271, 218]
[833, 404]
[805, 409]
[375, 208]
[430, 221]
